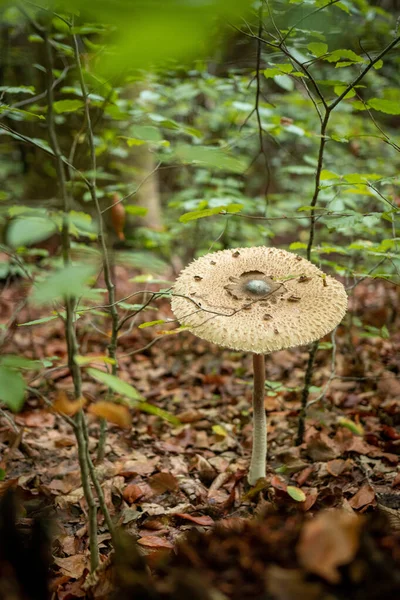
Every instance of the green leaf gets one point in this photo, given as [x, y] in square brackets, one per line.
[66, 106]
[153, 32]
[355, 428]
[86, 360]
[159, 412]
[37, 39]
[2, 474]
[134, 142]
[19, 362]
[209, 156]
[308, 207]
[278, 70]
[378, 64]
[343, 53]
[219, 430]
[128, 391]
[208, 212]
[339, 89]
[328, 175]
[342, 7]
[12, 388]
[318, 48]
[285, 82]
[297, 246]
[361, 177]
[115, 383]
[38, 321]
[151, 323]
[138, 211]
[66, 283]
[81, 223]
[29, 230]
[296, 493]
[146, 133]
[385, 333]
[21, 89]
[5, 108]
[389, 107]
[358, 105]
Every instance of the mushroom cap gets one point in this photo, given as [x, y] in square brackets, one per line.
[257, 299]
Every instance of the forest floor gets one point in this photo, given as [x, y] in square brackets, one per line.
[161, 480]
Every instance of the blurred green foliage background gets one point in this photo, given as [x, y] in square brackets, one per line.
[206, 119]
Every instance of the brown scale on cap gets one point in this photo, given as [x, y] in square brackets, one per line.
[273, 281]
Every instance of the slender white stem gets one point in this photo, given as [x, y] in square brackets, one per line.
[259, 451]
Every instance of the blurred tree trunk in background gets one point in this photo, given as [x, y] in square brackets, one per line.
[148, 195]
[143, 164]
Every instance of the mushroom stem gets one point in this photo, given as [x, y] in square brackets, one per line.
[259, 451]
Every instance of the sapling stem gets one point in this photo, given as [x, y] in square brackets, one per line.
[259, 451]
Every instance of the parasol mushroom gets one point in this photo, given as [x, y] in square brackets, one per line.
[257, 300]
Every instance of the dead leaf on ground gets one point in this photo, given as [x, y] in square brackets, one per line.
[68, 544]
[330, 540]
[73, 589]
[363, 498]
[133, 492]
[396, 480]
[163, 482]
[278, 483]
[73, 566]
[141, 466]
[190, 416]
[153, 541]
[36, 418]
[65, 485]
[337, 466]
[322, 448]
[199, 520]
[310, 500]
[360, 446]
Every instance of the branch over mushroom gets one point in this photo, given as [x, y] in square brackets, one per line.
[257, 300]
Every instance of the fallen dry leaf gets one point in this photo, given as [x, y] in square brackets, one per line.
[73, 566]
[363, 498]
[153, 541]
[359, 446]
[132, 492]
[202, 520]
[140, 466]
[330, 540]
[74, 589]
[396, 480]
[322, 448]
[36, 418]
[163, 482]
[310, 500]
[115, 413]
[337, 466]
[278, 483]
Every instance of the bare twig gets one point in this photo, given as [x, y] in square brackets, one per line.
[72, 344]
[262, 149]
[305, 393]
[112, 347]
[332, 375]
